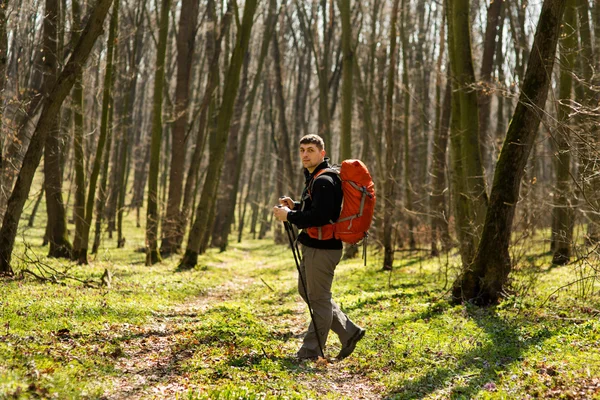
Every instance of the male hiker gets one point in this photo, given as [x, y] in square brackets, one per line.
[320, 205]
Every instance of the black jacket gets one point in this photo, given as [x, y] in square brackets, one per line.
[321, 208]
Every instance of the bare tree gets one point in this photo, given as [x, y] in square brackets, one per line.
[52, 105]
[482, 282]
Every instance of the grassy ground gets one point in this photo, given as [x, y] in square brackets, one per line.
[229, 329]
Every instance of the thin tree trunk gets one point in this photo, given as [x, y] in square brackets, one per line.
[563, 211]
[284, 136]
[186, 42]
[201, 226]
[91, 197]
[347, 86]
[35, 207]
[270, 24]
[78, 107]
[391, 151]
[214, 39]
[152, 253]
[57, 220]
[469, 182]
[439, 212]
[408, 187]
[52, 105]
[483, 282]
[485, 77]
[226, 197]
[101, 201]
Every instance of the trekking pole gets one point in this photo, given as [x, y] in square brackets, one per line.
[291, 236]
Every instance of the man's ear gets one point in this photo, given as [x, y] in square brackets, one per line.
[323, 153]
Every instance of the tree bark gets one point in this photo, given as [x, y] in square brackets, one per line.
[228, 188]
[347, 86]
[60, 247]
[467, 170]
[563, 211]
[201, 225]
[391, 151]
[186, 42]
[52, 105]
[152, 252]
[270, 25]
[78, 107]
[483, 281]
[106, 98]
[406, 131]
[214, 38]
[485, 77]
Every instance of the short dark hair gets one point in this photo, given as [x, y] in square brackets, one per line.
[313, 139]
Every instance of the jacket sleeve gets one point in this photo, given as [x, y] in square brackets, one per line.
[322, 208]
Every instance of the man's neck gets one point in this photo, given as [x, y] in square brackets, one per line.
[311, 170]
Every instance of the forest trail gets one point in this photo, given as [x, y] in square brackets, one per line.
[152, 361]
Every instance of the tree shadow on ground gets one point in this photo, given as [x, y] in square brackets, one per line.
[506, 347]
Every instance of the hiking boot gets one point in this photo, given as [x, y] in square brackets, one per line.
[305, 354]
[349, 347]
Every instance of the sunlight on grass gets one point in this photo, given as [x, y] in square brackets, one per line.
[229, 328]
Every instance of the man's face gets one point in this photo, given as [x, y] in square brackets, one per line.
[311, 156]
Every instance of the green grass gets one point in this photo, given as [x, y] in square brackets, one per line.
[229, 329]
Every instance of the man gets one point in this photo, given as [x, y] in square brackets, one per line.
[320, 205]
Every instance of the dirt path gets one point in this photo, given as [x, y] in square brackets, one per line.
[150, 363]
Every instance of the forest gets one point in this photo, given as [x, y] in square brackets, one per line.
[144, 144]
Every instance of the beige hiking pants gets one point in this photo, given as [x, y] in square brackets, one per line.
[317, 268]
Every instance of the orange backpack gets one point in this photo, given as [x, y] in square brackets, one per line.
[357, 206]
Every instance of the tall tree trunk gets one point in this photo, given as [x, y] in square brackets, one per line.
[152, 253]
[391, 151]
[78, 126]
[439, 211]
[408, 187]
[284, 134]
[133, 132]
[483, 282]
[3, 68]
[228, 188]
[228, 213]
[214, 38]
[106, 99]
[469, 182]
[563, 211]
[186, 42]
[52, 105]
[201, 225]
[346, 134]
[57, 220]
[437, 200]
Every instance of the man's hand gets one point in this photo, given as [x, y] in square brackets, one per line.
[281, 212]
[287, 202]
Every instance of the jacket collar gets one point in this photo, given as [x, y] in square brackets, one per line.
[308, 176]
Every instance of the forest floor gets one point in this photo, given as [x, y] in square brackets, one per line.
[229, 329]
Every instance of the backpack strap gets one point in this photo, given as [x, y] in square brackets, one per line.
[332, 171]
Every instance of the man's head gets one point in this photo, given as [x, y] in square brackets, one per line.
[312, 151]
